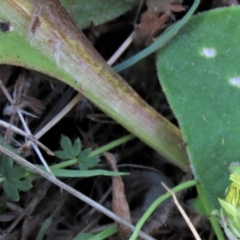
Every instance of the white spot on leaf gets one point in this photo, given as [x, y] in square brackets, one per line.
[235, 81]
[208, 52]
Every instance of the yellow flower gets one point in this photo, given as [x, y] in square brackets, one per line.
[230, 212]
[233, 191]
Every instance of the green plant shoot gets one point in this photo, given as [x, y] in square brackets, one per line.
[229, 214]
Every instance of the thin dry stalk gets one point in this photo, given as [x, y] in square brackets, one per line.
[30, 137]
[58, 117]
[188, 221]
[27, 130]
[121, 49]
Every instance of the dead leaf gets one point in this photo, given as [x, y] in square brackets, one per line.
[149, 27]
[119, 202]
[165, 6]
[155, 19]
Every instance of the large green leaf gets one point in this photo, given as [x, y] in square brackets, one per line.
[199, 72]
[87, 12]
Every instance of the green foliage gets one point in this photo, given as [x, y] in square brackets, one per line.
[198, 205]
[95, 12]
[74, 151]
[84, 236]
[100, 236]
[199, 72]
[86, 161]
[81, 173]
[69, 150]
[105, 233]
[229, 214]
[46, 225]
[12, 175]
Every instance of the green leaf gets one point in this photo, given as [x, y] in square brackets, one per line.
[5, 163]
[199, 72]
[83, 236]
[69, 151]
[62, 155]
[24, 185]
[11, 191]
[15, 173]
[65, 143]
[86, 161]
[198, 205]
[81, 173]
[95, 12]
[105, 233]
[12, 175]
[77, 146]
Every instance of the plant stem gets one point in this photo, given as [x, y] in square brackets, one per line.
[59, 49]
[98, 151]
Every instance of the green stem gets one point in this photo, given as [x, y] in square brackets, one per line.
[208, 209]
[65, 164]
[59, 49]
[98, 151]
[112, 145]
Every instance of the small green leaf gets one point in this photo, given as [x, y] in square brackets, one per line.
[12, 175]
[5, 164]
[11, 191]
[76, 149]
[85, 161]
[62, 155]
[69, 151]
[94, 12]
[65, 143]
[15, 173]
[24, 185]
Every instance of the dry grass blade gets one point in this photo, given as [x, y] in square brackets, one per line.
[192, 228]
[71, 190]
